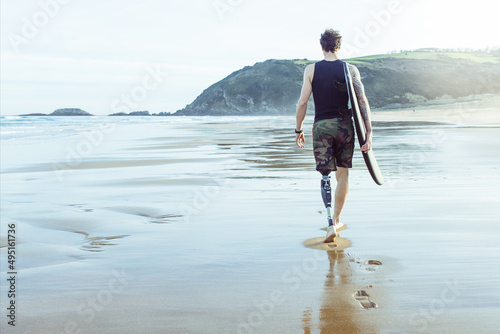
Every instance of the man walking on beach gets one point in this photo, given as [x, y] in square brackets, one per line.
[333, 131]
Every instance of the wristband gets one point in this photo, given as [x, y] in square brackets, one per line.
[297, 132]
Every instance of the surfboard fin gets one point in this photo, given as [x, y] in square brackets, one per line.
[326, 193]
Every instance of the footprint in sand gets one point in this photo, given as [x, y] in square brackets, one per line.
[364, 299]
[373, 264]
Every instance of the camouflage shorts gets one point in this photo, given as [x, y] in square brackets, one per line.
[333, 143]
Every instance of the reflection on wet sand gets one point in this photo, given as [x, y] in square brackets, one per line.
[341, 310]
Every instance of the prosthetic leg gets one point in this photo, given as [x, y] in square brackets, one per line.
[326, 193]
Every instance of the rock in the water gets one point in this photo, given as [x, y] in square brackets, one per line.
[34, 114]
[140, 113]
[133, 113]
[62, 112]
[163, 113]
[70, 112]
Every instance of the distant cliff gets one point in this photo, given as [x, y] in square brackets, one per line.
[270, 87]
[273, 87]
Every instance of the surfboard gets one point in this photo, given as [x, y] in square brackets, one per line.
[359, 125]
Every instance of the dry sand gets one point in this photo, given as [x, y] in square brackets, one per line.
[484, 111]
[205, 230]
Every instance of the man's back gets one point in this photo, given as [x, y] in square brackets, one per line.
[328, 100]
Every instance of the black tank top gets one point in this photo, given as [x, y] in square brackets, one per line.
[327, 98]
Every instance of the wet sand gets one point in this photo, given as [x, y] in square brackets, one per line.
[201, 226]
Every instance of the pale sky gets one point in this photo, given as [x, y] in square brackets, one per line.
[105, 56]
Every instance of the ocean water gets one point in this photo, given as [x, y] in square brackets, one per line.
[204, 209]
[90, 135]
[96, 160]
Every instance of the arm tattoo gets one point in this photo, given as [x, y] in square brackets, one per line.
[359, 89]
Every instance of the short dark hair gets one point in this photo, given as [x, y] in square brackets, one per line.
[330, 40]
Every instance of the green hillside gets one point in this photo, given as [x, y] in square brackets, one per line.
[272, 87]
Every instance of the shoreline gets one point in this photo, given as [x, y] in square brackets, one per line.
[466, 103]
